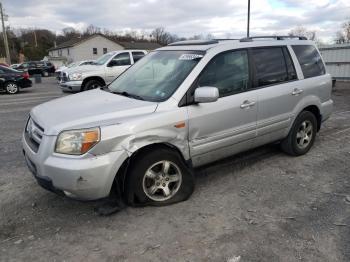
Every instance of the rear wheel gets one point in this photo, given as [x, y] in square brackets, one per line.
[11, 88]
[302, 135]
[92, 84]
[159, 178]
[45, 73]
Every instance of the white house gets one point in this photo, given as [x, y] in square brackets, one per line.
[92, 47]
[337, 59]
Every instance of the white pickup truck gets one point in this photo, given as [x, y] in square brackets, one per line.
[102, 72]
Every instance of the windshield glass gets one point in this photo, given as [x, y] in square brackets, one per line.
[103, 59]
[156, 76]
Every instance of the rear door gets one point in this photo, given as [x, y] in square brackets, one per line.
[137, 55]
[275, 79]
[227, 126]
[117, 65]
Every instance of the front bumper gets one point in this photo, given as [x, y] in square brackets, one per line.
[86, 177]
[71, 86]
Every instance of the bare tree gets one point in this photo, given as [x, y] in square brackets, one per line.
[92, 30]
[161, 36]
[302, 31]
[343, 36]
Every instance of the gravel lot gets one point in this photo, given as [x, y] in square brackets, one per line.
[260, 205]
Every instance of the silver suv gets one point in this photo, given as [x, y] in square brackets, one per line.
[99, 73]
[181, 106]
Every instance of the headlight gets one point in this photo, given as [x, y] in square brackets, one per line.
[77, 142]
[76, 76]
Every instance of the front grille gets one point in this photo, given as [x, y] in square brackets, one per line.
[33, 134]
[64, 77]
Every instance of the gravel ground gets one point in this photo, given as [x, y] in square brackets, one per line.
[261, 205]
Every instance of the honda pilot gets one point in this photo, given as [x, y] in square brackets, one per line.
[181, 106]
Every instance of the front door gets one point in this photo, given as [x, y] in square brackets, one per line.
[227, 126]
[117, 65]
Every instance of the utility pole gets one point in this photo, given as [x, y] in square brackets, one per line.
[36, 42]
[248, 23]
[8, 58]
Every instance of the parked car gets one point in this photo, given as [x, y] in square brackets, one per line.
[43, 68]
[14, 66]
[4, 64]
[12, 80]
[71, 65]
[180, 107]
[103, 71]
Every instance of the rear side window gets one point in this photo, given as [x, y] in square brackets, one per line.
[309, 60]
[228, 71]
[137, 56]
[270, 66]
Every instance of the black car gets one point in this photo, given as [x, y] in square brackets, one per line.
[43, 68]
[12, 80]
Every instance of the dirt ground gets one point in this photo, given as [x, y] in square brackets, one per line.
[261, 205]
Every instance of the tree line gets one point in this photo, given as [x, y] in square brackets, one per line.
[34, 43]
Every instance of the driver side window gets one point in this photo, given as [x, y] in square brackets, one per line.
[122, 59]
[228, 71]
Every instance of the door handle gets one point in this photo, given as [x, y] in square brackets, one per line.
[297, 91]
[247, 104]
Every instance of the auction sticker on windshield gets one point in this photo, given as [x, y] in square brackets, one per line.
[190, 56]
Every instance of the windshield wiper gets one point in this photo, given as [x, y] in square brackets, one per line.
[124, 93]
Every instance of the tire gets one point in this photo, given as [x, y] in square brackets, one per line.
[11, 88]
[92, 84]
[302, 135]
[159, 187]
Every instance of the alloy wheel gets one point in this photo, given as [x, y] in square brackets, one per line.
[12, 88]
[162, 180]
[304, 134]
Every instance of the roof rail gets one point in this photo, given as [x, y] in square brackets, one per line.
[276, 37]
[194, 42]
[225, 39]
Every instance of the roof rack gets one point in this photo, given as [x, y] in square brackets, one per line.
[225, 39]
[195, 42]
[276, 37]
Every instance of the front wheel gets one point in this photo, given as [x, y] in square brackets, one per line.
[92, 84]
[302, 135]
[159, 178]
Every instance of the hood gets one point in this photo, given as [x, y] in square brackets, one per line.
[88, 109]
[83, 69]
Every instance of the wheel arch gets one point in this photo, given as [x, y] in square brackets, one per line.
[98, 78]
[119, 185]
[312, 104]
[316, 111]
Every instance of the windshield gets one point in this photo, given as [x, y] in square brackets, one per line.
[103, 59]
[156, 76]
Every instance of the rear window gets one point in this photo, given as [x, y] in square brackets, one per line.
[270, 66]
[309, 60]
[137, 56]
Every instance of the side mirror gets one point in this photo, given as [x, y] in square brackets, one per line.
[206, 94]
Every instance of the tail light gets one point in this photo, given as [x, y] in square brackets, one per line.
[25, 75]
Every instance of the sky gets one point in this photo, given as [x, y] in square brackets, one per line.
[221, 18]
